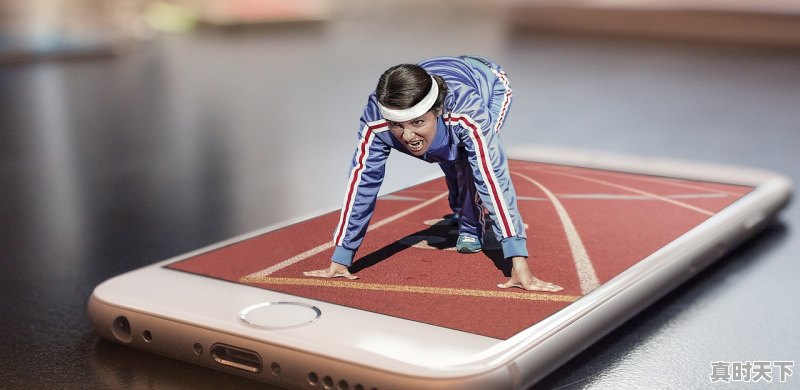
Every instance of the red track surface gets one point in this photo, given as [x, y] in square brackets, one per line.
[618, 220]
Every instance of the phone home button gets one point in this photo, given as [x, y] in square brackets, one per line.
[279, 315]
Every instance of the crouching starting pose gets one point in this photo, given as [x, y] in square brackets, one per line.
[445, 110]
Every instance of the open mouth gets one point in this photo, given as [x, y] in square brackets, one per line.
[415, 144]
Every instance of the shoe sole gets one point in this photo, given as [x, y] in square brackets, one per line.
[466, 250]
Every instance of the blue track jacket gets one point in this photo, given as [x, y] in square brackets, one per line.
[477, 101]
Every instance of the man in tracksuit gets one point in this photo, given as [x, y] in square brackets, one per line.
[447, 110]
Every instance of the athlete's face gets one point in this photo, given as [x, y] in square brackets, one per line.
[416, 134]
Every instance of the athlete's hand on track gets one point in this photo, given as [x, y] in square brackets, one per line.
[522, 277]
[335, 270]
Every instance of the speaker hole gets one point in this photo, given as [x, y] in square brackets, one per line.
[313, 379]
[327, 382]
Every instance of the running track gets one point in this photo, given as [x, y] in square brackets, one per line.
[584, 227]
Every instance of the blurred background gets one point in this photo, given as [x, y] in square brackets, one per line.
[46, 28]
[133, 130]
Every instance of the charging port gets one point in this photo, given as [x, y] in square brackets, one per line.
[236, 357]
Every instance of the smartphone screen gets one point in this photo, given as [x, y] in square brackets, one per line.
[583, 226]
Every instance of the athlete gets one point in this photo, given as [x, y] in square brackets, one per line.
[445, 110]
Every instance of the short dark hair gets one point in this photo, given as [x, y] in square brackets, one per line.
[402, 86]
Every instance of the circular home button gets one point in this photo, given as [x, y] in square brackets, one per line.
[279, 315]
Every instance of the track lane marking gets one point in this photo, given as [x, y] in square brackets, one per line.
[328, 245]
[676, 183]
[640, 192]
[637, 176]
[534, 296]
[586, 273]
[600, 196]
[668, 181]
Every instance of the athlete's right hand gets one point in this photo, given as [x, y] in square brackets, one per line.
[335, 270]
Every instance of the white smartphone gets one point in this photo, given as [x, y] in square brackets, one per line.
[616, 232]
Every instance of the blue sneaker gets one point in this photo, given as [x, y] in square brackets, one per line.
[468, 243]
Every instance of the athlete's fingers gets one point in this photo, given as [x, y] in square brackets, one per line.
[319, 273]
[347, 275]
[538, 285]
[326, 273]
[548, 287]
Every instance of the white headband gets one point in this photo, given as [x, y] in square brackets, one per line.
[416, 111]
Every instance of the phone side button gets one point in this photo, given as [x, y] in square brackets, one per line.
[704, 261]
[279, 315]
[754, 220]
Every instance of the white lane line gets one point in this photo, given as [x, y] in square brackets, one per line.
[670, 181]
[586, 273]
[685, 183]
[626, 197]
[679, 183]
[313, 251]
[640, 192]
